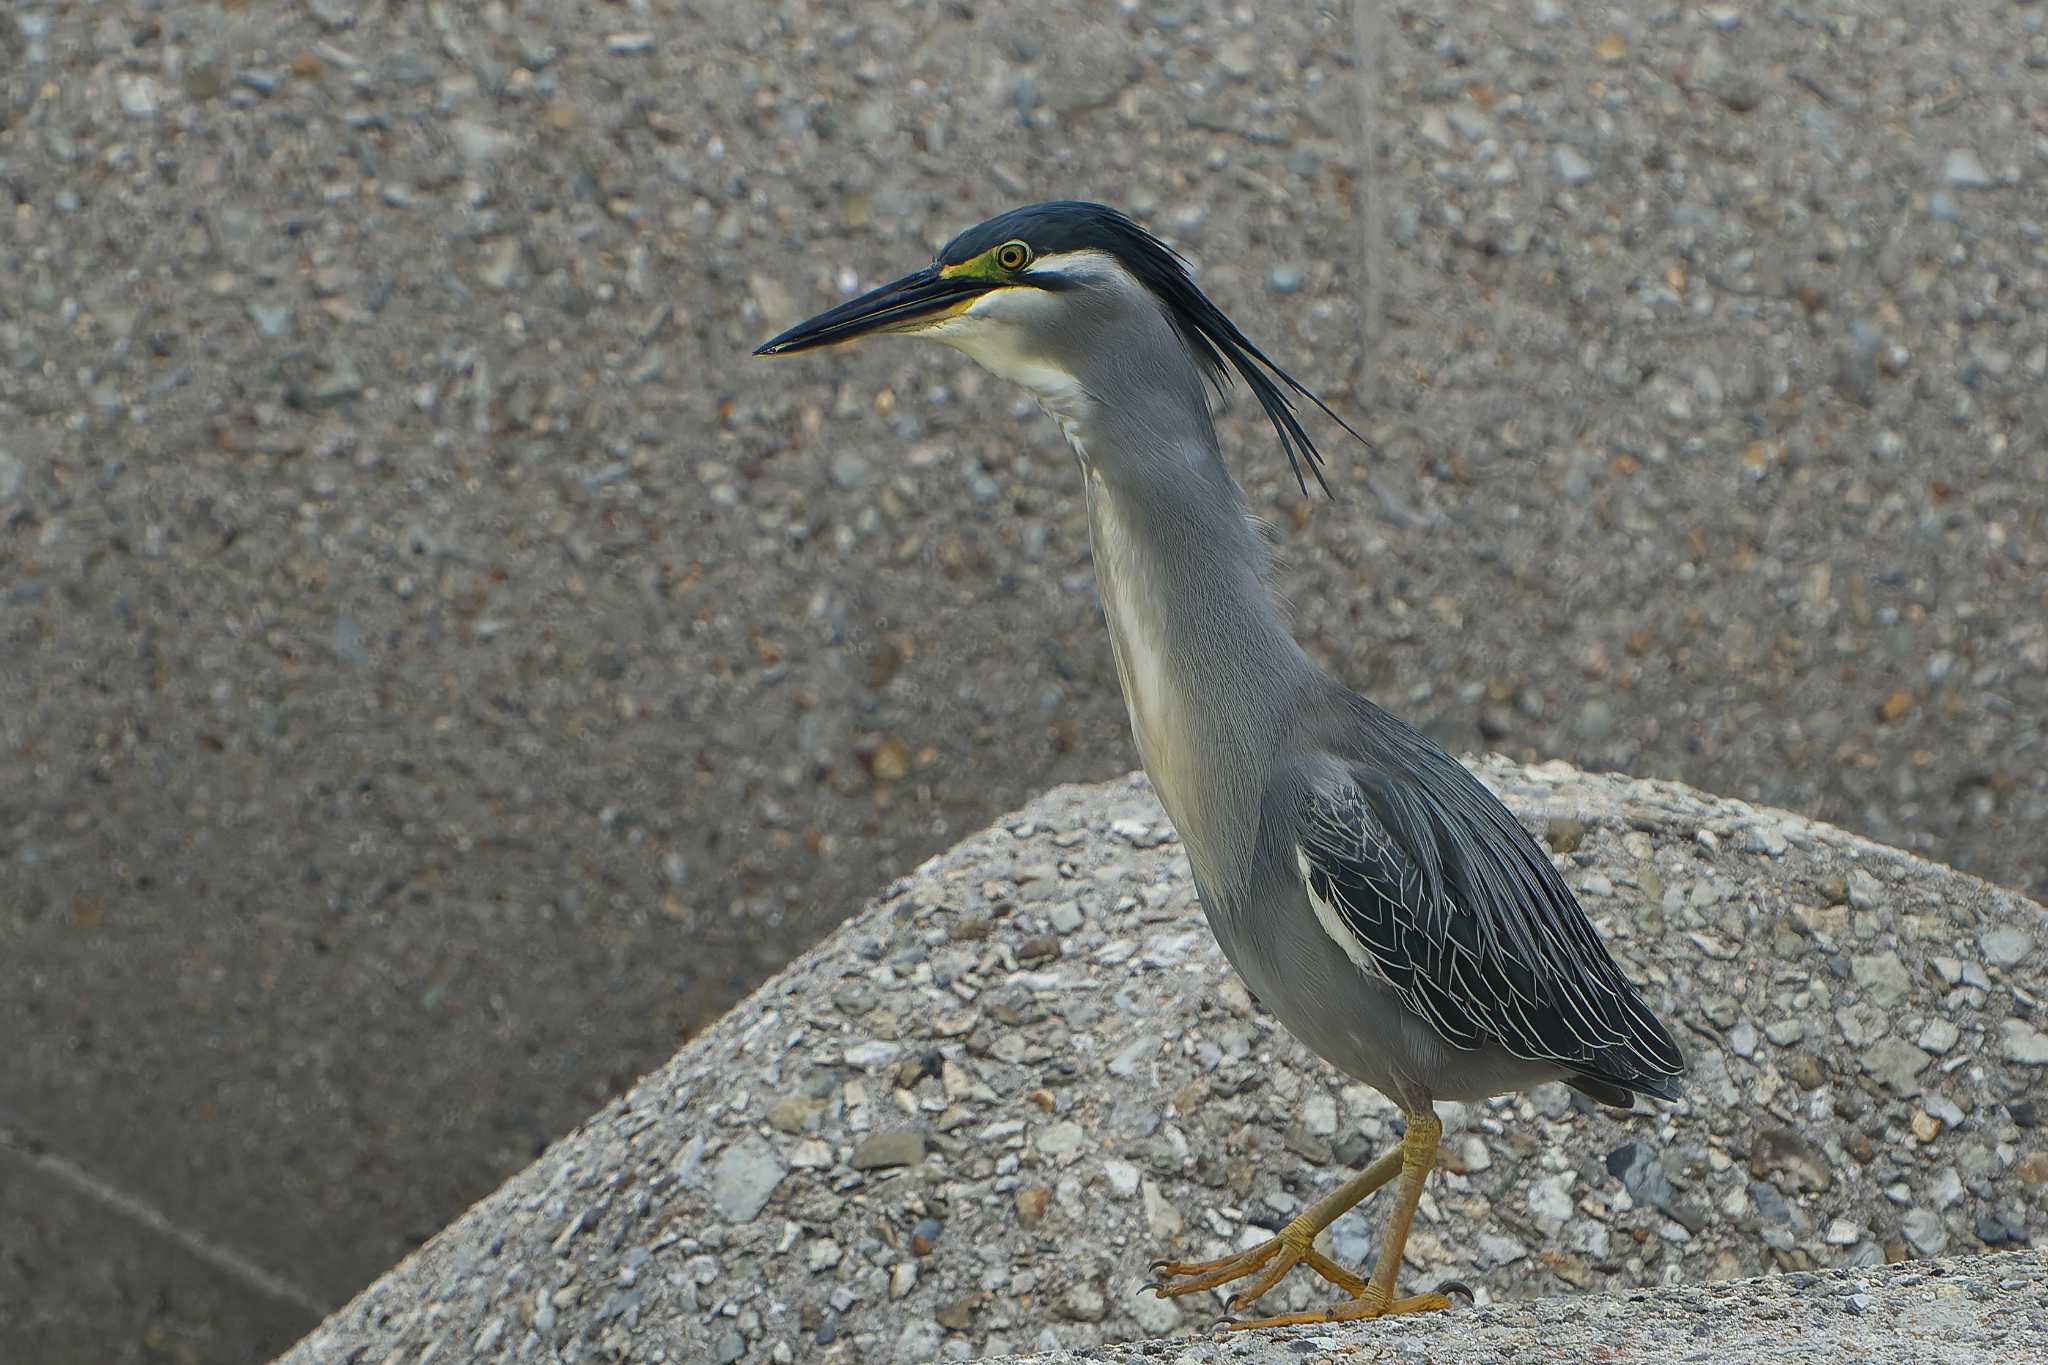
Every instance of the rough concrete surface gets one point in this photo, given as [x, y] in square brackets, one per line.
[1981, 1310]
[965, 1124]
[439, 669]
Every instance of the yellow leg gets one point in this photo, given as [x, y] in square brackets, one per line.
[1417, 1155]
[1293, 1245]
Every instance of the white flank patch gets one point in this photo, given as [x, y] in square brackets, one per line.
[1333, 922]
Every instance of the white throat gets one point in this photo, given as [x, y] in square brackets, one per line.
[1153, 693]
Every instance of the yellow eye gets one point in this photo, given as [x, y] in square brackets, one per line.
[1013, 255]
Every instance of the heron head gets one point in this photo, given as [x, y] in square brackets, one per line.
[1032, 295]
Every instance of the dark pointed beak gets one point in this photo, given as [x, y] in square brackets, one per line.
[902, 301]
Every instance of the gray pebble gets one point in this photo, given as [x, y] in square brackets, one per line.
[744, 1177]
[1572, 168]
[2006, 946]
[1963, 169]
[892, 1147]
[2021, 1042]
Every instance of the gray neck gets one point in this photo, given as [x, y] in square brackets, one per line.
[1210, 673]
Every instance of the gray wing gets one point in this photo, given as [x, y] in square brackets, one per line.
[1435, 888]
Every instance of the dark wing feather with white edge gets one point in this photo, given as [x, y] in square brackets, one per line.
[1435, 888]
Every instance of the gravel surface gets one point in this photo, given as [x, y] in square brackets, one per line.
[966, 1123]
[439, 670]
[1983, 1310]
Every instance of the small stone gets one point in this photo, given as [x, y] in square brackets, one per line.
[1238, 54]
[902, 1278]
[793, 1114]
[1635, 1164]
[1565, 835]
[480, 143]
[745, 1176]
[1122, 1177]
[1156, 1317]
[2032, 1170]
[1785, 1032]
[1132, 1055]
[1060, 1139]
[337, 384]
[1741, 93]
[925, 1236]
[1066, 917]
[1924, 1232]
[1284, 279]
[1804, 1070]
[272, 320]
[2023, 1043]
[1863, 1024]
[629, 44]
[1865, 893]
[139, 98]
[1319, 1116]
[1085, 1303]
[849, 471]
[1882, 976]
[731, 1346]
[1497, 1249]
[1550, 1201]
[1473, 1154]
[1788, 1159]
[1032, 1203]
[958, 1315]
[1162, 1219]
[823, 1254]
[1926, 1127]
[895, 1147]
[1842, 1232]
[1895, 1062]
[1742, 1039]
[1994, 1229]
[2006, 947]
[1573, 169]
[500, 264]
[873, 1053]
[1939, 1036]
[1962, 168]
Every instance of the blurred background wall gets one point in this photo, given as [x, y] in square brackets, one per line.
[439, 669]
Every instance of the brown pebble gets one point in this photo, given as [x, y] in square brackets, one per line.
[1032, 1203]
[1038, 948]
[1565, 836]
[1803, 1069]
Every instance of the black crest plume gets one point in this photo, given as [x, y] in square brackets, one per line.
[1215, 341]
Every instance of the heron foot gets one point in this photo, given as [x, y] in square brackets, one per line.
[1269, 1261]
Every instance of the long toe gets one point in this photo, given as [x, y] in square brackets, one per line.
[1352, 1310]
[1270, 1261]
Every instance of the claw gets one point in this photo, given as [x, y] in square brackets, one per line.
[1460, 1288]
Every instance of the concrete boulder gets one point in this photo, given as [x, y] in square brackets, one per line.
[963, 1125]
